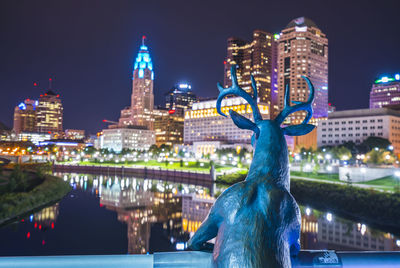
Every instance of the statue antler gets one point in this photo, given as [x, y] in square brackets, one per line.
[235, 89]
[299, 106]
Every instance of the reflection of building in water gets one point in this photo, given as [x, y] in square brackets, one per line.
[169, 215]
[46, 216]
[325, 232]
[346, 235]
[195, 209]
[309, 231]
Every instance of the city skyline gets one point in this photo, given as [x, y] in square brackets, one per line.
[95, 60]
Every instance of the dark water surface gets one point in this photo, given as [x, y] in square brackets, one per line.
[109, 215]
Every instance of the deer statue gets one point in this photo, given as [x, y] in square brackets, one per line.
[256, 222]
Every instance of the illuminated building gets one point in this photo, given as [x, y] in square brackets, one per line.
[203, 123]
[49, 114]
[385, 91]
[257, 58]
[179, 98]
[25, 116]
[303, 50]
[34, 137]
[142, 99]
[135, 138]
[74, 134]
[357, 125]
[168, 127]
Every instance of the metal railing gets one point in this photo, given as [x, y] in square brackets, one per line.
[306, 258]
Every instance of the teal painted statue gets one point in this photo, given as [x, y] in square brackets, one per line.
[257, 222]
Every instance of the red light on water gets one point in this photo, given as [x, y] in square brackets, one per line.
[35, 225]
[50, 79]
[58, 95]
[52, 225]
[45, 94]
[101, 205]
[224, 61]
[40, 227]
[28, 235]
[34, 84]
[143, 37]
[329, 104]
[41, 95]
[104, 120]
[22, 220]
[43, 242]
[171, 111]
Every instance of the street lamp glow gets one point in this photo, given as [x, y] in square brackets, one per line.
[308, 211]
[328, 156]
[387, 157]
[329, 217]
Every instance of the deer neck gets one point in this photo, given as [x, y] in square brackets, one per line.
[270, 161]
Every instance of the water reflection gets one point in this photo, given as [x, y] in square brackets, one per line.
[113, 215]
[154, 211]
[324, 231]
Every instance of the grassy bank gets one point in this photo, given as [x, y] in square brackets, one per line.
[38, 191]
[378, 208]
[175, 165]
[373, 207]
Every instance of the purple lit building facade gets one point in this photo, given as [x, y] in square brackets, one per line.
[385, 92]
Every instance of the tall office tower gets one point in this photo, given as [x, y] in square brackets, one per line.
[257, 58]
[179, 98]
[140, 113]
[49, 114]
[25, 116]
[303, 50]
[385, 92]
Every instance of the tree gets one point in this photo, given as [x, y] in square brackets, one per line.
[374, 142]
[342, 153]
[19, 177]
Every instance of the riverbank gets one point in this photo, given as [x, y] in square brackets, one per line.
[202, 166]
[366, 205]
[17, 200]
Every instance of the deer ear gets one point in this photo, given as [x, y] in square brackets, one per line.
[243, 123]
[298, 130]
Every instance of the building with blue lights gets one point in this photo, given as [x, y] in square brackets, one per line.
[25, 116]
[140, 113]
[385, 92]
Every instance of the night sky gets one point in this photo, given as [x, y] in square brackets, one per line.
[88, 48]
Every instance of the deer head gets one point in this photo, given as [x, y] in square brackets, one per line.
[270, 153]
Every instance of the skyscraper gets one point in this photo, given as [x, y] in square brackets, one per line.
[303, 50]
[257, 58]
[385, 92]
[25, 116]
[49, 114]
[140, 113]
[179, 98]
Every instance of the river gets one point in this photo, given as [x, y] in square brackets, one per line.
[113, 215]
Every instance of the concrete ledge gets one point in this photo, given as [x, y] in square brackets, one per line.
[196, 259]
